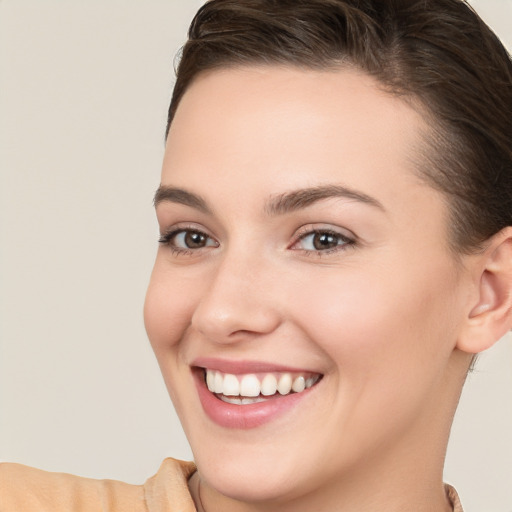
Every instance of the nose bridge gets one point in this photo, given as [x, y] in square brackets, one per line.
[237, 300]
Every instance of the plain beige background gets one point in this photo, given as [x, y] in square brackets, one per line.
[83, 99]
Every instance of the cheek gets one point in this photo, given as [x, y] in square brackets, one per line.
[377, 325]
[168, 309]
[388, 343]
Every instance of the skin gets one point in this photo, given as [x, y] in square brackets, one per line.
[380, 317]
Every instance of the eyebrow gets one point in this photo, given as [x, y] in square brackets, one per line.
[180, 196]
[278, 205]
[298, 199]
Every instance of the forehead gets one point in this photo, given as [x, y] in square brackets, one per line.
[277, 128]
[343, 92]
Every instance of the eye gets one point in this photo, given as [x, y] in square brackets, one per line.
[184, 240]
[322, 241]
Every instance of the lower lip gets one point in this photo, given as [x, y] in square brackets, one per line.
[244, 416]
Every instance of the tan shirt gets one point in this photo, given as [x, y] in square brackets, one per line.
[25, 489]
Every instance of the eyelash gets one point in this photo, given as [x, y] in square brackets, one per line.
[167, 237]
[346, 242]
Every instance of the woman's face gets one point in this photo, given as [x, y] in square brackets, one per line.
[300, 247]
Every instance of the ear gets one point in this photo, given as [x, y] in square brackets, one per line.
[490, 316]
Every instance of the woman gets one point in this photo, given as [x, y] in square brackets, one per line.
[336, 246]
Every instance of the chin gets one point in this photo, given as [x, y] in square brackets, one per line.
[248, 480]
[267, 468]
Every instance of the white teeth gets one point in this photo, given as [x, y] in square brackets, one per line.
[218, 383]
[247, 401]
[231, 386]
[250, 386]
[269, 385]
[248, 389]
[231, 400]
[241, 401]
[299, 384]
[312, 381]
[210, 381]
[284, 385]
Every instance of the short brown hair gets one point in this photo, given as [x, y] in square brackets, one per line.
[436, 53]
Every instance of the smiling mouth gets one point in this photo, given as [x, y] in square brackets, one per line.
[251, 388]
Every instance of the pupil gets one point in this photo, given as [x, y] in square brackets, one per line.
[325, 241]
[194, 239]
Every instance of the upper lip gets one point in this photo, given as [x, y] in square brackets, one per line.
[244, 366]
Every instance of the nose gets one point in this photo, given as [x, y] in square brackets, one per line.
[240, 301]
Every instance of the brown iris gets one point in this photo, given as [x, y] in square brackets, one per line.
[195, 240]
[322, 241]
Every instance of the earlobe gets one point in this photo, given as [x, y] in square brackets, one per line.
[490, 317]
